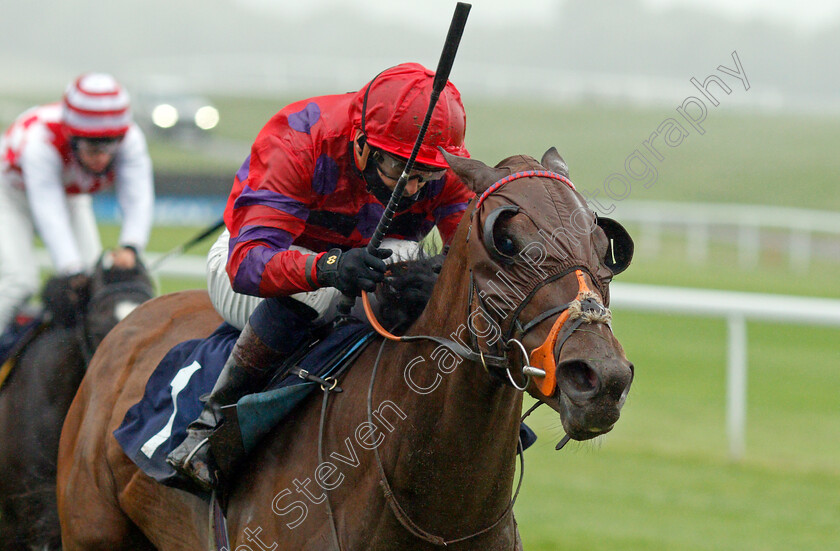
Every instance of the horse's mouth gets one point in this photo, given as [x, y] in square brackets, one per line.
[589, 398]
[584, 423]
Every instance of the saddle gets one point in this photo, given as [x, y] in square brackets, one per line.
[157, 423]
[319, 364]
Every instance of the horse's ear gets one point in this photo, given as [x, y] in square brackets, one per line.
[476, 175]
[554, 162]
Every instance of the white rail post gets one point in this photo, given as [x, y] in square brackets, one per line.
[800, 250]
[651, 238]
[697, 248]
[749, 244]
[736, 385]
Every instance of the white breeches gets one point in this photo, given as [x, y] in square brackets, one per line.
[236, 308]
[19, 275]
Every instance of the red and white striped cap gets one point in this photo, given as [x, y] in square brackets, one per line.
[96, 106]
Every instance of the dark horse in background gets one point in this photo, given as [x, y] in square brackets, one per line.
[35, 397]
[419, 449]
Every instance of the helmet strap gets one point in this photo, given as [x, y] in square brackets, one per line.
[361, 150]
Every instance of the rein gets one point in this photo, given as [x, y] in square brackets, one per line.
[387, 491]
[391, 497]
[453, 346]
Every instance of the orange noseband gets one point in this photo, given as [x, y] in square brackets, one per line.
[542, 357]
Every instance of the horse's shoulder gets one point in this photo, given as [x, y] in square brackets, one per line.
[170, 308]
[192, 300]
[158, 324]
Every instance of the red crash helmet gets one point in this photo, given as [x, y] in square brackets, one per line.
[96, 106]
[390, 109]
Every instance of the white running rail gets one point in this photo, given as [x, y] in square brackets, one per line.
[735, 307]
[744, 223]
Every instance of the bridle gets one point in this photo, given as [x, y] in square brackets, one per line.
[138, 289]
[540, 364]
[587, 307]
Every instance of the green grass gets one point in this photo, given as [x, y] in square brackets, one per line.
[743, 156]
[172, 156]
[753, 159]
[722, 270]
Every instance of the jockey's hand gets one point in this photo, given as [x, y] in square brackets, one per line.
[353, 271]
[124, 258]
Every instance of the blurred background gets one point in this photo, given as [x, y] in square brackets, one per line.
[737, 209]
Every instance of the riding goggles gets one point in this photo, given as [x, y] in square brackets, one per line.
[393, 167]
[95, 146]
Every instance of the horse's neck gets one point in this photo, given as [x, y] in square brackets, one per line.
[461, 425]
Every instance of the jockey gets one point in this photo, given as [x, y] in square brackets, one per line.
[304, 205]
[52, 158]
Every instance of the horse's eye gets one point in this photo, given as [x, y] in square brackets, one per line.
[506, 245]
[498, 239]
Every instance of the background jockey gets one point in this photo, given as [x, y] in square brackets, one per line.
[304, 205]
[51, 159]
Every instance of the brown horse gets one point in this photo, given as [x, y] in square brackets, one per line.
[38, 393]
[419, 449]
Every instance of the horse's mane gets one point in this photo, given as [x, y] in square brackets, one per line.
[66, 301]
[406, 290]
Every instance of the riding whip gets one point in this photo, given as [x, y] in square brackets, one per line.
[447, 58]
[180, 249]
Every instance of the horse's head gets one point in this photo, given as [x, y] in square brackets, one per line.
[541, 263]
[114, 293]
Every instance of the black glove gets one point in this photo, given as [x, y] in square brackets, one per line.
[353, 271]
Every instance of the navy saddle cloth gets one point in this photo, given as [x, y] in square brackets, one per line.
[157, 423]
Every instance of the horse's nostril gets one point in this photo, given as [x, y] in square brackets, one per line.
[578, 378]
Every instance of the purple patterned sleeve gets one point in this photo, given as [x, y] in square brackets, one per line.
[250, 272]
